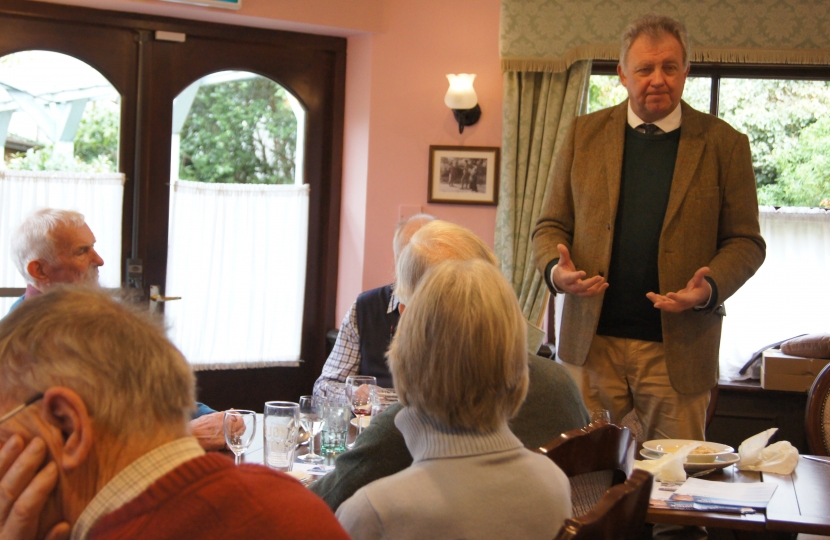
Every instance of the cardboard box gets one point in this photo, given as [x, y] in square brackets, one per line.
[781, 371]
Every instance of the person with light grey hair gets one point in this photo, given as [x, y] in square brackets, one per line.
[459, 364]
[552, 406]
[368, 327]
[52, 247]
[649, 224]
[94, 403]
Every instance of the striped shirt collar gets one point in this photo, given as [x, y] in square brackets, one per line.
[133, 480]
[667, 124]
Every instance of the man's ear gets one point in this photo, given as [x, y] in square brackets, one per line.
[64, 410]
[36, 270]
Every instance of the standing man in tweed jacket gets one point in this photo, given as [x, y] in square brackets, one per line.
[650, 222]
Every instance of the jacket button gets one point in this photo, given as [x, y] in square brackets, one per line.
[607, 226]
[601, 273]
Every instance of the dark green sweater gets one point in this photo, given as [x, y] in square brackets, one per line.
[648, 167]
[553, 406]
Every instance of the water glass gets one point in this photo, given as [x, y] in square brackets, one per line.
[335, 424]
[282, 428]
[382, 399]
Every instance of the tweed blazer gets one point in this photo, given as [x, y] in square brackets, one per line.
[711, 220]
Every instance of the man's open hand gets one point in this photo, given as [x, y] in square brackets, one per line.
[696, 293]
[568, 279]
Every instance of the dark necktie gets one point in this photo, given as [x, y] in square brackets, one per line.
[649, 129]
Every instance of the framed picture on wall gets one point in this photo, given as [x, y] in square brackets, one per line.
[464, 175]
[226, 4]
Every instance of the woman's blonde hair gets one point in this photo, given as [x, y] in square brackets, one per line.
[459, 355]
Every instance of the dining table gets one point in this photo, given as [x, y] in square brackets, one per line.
[800, 503]
[256, 452]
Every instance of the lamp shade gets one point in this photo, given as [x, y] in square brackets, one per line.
[461, 94]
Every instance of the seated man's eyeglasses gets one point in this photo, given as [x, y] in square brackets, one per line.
[19, 408]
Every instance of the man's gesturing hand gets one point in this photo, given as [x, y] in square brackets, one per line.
[696, 293]
[568, 279]
[24, 490]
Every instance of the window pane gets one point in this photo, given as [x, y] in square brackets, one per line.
[788, 124]
[605, 91]
[59, 123]
[238, 223]
[698, 92]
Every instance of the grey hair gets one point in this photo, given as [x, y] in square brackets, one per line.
[118, 360]
[459, 355]
[406, 228]
[434, 243]
[35, 238]
[655, 27]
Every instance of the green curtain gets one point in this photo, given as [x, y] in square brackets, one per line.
[538, 108]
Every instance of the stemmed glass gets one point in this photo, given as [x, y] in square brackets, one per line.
[240, 427]
[311, 419]
[360, 401]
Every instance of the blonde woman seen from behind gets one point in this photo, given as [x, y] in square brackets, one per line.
[459, 365]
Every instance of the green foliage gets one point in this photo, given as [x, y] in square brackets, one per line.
[47, 159]
[97, 136]
[239, 132]
[605, 91]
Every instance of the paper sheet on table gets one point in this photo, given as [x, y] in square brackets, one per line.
[753, 494]
[314, 469]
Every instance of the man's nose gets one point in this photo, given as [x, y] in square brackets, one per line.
[658, 78]
[97, 260]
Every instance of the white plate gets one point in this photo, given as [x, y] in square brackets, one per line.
[663, 446]
[365, 420]
[299, 475]
[721, 461]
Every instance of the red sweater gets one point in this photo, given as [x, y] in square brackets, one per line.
[210, 498]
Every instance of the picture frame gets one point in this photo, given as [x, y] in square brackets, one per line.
[224, 4]
[464, 175]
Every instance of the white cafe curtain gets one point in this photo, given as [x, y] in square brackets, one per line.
[788, 295]
[237, 257]
[98, 196]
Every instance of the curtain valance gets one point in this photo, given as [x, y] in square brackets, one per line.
[550, 35]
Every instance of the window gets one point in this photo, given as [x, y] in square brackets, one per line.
[785, 112]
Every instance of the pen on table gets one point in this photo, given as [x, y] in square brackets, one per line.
[820, 460]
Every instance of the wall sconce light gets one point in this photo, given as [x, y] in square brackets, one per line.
[462, 99]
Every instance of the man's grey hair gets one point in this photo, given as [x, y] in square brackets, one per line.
[654, 27]
[132, 380]
[35, 238]
[406, 228]
[434, 243]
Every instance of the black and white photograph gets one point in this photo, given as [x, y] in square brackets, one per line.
[463, 175]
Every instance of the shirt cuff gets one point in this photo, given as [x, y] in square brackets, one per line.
[713, 296]
[549, 276]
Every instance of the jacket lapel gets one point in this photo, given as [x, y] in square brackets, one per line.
[614, 144]
[689, 151]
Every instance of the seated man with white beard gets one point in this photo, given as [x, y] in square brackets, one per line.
[57, 247]
[94, 403]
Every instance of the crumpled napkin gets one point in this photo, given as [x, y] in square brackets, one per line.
[668, 467]
[777, 458]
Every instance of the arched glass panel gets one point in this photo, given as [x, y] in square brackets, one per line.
[238, 222]
[59, 123]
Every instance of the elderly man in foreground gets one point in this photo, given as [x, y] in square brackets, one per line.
[553, 404]
[56, 247]
[105, 402]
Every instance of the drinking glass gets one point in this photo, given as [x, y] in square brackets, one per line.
[382, 399]
[311, 418]
[600, 416]
[357, 390]
[336, 420]
[282, 427]
[239, 427]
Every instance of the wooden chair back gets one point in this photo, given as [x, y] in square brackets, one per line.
[619, 514]
[817, 416]
[593, 448]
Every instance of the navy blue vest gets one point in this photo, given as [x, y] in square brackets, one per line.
[376, 328]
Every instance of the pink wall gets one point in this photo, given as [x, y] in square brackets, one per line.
[421, 42]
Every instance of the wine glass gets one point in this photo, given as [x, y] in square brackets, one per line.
[240, 427]
[311, 419]
[360, 401]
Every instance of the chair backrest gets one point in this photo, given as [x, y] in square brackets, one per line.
[619, 514]
[817, 416]
[593, 448]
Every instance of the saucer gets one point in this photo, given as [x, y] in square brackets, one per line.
[721, 462]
